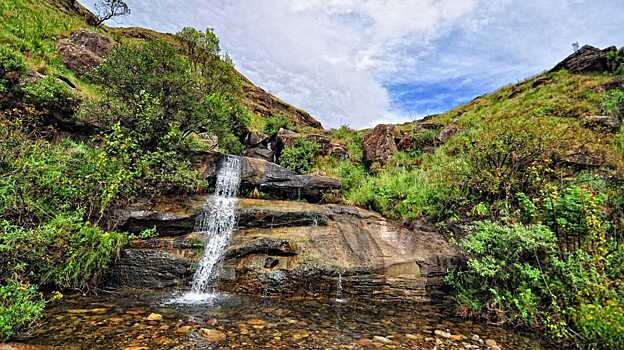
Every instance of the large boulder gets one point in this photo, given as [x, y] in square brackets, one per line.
[84, 50]
[278, 182]
[606, 122]
[374, 257]
[381, 143]
[587, 59]
[269, 178]
[449, 131]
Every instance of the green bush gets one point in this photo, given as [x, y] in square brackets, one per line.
[300, 157]
[276, 122]
[12, 66]
[560, 274]
[20, 306]
[44, 179]
[403, 194]
[65, 251]
[157, 100]
[617, 57]
[511, 157]
[613, 103]
[602, 326]
[46, 92]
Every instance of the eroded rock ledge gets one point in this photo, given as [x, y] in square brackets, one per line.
[270, 179]
[293, 249]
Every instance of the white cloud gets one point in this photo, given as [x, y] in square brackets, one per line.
[335, 57]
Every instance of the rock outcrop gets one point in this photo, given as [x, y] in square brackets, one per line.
[448, 131]
[84, 50]
[380, 144]
[278, 182]
[270, 179]
[607, 122]
[298, 249]
[587, 59]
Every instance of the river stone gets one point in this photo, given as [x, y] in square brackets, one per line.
[212, 335]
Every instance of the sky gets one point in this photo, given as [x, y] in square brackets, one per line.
[364, 62]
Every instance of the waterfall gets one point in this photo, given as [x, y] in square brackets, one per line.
[339, 289]
[216, 223]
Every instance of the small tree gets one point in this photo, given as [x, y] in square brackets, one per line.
[107, 9]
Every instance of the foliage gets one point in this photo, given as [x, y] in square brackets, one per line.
[20, 306]
[107, 9]
[401, 193]
[202, 49]
[12, 66]
[556, 274]
[154, 81]
[602, 325]
[617, 57]
[274, 123]
[508, 159]
[613, 103]
[45, 92]
[300, 157]
[65, 251]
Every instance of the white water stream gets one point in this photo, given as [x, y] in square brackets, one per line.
[216, 223]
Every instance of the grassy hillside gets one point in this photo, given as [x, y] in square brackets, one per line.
[530, 189]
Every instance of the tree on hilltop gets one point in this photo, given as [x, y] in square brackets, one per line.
[107, 9]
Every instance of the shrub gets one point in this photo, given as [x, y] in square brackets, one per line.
[65, 251]
[46, 92]
[276, 122]
[159, 102]
[20, 306]
[12, 66]
[613, 103]
[300, 157]
[617, 58]
[504, 274]
[602, 326]
[509, 158]
[531, 276]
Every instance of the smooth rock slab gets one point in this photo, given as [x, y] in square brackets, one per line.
[375, 258]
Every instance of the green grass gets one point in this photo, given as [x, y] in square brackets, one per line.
[34, 28]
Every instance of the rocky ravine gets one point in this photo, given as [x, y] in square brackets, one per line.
[288, 248]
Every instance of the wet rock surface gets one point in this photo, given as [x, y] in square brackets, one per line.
[294, 249]
[175, 216]
[148, 320]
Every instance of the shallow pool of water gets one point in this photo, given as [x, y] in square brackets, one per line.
[136, 320]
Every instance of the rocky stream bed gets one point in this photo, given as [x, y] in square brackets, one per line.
[144, 319]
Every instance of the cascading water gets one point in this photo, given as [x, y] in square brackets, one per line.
[216, 223]
[339, 289]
